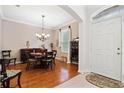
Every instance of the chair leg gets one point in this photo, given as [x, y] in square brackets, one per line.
[28, 65]
[50, 64]
[47, 65]
[14, 61]
[19, 80]
[34, 64]
[4, 84]
[54, 62]
[8, 63]
[8, 83]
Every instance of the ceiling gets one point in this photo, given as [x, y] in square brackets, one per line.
[31, 14]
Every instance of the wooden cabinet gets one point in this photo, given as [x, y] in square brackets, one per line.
[29, 50]
[74, 46]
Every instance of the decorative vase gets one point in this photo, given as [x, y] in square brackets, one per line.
[51, 45]
[27, 44]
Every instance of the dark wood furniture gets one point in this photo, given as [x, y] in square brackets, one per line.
[7, 75]
[54, 56]
[2, 67]
[6, 55]
[48, 60]
[30, 61]
[2, 72]
[74, 46]
[30, 50]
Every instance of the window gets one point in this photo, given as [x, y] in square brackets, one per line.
[64, 40]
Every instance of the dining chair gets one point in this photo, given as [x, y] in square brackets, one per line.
[7, 75]
[47, 60]
[54, 56]
[6, 55]
[29, 60]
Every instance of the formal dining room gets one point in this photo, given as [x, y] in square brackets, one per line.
[38, 46]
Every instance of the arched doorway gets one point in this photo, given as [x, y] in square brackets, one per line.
[80, 17]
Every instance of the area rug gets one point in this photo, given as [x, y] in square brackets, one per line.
[102, 81]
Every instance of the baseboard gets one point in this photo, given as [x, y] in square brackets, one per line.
[17, 62]
[68, 62]
[84, 71]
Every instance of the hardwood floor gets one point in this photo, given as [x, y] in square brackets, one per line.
[42, 78]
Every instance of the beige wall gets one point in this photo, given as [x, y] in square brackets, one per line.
[75, 29]
[15, 36]
[75, 33]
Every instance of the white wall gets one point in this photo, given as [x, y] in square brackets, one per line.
[15, 36]
[83, 39]
[84, 13]
[89, 11]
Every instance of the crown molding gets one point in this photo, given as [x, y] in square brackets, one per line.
[18, 21]
[47, 28]
[66, 24]
[1, 12]
[35, 25]
[26, 23]
[21, 22]
[13, 20]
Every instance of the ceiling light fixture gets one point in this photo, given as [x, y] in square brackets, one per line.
[43, 36]
[17, 5]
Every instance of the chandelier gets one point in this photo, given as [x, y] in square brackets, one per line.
[43, 36]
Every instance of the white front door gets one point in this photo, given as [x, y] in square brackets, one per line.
[106, 48]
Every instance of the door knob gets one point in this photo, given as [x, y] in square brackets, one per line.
[118, 48]
[118, 53]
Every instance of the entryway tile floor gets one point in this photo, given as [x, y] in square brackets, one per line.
[78, 81]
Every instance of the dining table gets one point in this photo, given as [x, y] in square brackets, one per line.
[38, 56]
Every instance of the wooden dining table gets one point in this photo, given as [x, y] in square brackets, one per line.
[36, 54]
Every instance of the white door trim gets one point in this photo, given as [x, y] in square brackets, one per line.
[122, 32]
